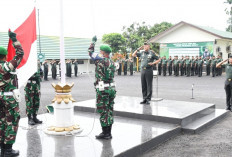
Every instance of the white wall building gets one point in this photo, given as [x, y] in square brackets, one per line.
[188, 39]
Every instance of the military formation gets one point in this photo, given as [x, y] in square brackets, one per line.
[55, 68]
[125, 65]
[186, 66]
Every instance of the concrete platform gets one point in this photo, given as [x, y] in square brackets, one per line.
[190, 115]
[131, 137]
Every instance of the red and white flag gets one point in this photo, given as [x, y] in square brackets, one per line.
[26, 35]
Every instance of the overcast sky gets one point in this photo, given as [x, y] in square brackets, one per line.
[85, 18]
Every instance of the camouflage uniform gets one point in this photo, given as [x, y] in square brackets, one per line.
[32, 96]
[9, 107]
[104, 71]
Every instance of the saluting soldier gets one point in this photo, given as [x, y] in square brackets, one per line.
[32, 96]
[188, 66]
[148, 59]
[9, 102]
[53, 69]
[228, 82]
[105, 87]
[164, 65]
[200, 66]
[193, 63]
[45, 65]
[207, 63]
[176, 64]
[75, 62]
[213, 66]
[160, 67]
[182, 66]
[170, 61]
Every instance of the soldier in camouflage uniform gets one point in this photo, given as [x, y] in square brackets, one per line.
[9, 106]
[105, 87]
[32, 97]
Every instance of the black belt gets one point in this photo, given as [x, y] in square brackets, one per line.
[146, 68]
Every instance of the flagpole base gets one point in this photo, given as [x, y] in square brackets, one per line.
[156, 99]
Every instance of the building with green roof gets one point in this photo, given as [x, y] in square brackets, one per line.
[189, 39]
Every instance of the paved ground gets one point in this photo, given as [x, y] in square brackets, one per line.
[216, 141]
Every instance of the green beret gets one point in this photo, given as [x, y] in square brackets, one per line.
[3, 51]
[105, 48]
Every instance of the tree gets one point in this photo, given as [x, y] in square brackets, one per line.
[229, 12]
[115, 40]
[136, 34]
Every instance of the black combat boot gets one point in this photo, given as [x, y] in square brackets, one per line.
[9, 152]
[105, 133]
[37, 121]
[30, 120]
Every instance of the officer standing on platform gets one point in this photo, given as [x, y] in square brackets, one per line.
[200, 66]
[75, 62]
[188, 66]
[164, 65]
[160, 67]
[105, 87]
[148, 59]
[196, 65]
[207, 63]
[45, 64]
[213, 66]
[170, 61]
[32, 96]
[9, 97]
[131, 65]
[228, 82]
[182, 66]
[193, 63]
[176, 64]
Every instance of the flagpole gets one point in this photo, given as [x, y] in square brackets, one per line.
[62, 52]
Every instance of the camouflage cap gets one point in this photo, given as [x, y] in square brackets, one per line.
[3, 51]
[105, 48]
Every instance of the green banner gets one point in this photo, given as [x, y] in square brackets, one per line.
[191, 48]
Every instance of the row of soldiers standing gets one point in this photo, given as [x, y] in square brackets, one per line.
[189, 67]
[54, 64]
[125, 64]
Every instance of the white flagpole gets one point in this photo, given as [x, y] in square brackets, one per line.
[62, 52]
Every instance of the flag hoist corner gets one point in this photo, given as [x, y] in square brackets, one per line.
[26, 35]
